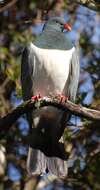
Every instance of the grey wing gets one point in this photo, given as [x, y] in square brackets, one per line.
[75, 70]
[36, 161]
[73, 79]
[27, 69]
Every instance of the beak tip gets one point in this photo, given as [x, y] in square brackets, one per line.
[67, 27]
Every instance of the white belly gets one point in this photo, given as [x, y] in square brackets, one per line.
[51, 70]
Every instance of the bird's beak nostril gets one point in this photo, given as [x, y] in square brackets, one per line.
[67, 27]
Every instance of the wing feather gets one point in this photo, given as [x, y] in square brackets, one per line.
[36, 160]
[75, 74]
[27, 69]
[73, 78]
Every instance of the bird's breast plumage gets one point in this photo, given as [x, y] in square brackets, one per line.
[51, 69]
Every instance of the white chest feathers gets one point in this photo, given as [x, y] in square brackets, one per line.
[51, 69]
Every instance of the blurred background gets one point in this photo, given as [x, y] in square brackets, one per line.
[20, 23]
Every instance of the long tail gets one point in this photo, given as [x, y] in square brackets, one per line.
[37, 163]
[57, 167]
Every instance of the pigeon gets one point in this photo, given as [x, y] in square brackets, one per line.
[50, 66]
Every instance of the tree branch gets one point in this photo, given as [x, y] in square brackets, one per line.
[8, 5]
[10, 118]
[91, 4]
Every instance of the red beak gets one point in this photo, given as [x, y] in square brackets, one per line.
[67, 27]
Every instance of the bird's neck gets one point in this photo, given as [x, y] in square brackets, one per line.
[52, 28]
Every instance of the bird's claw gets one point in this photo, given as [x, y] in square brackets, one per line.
[62, 98]
[37, 97]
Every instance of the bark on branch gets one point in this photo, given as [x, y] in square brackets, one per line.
[8, 5]
[91, 4]
[10, 118]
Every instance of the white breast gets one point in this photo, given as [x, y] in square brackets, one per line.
[51, 69]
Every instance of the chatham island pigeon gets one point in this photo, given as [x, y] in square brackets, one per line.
[50, 65]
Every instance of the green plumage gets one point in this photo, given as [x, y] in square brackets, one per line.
[53, 39]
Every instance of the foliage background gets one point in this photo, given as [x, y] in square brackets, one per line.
[83, 140]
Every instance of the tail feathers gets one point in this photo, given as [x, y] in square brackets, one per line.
[36, 162]
[57, 167]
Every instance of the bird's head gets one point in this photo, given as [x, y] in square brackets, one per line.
[56, 23]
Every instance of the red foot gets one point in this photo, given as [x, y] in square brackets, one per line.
[37, 97]
[62, 98]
